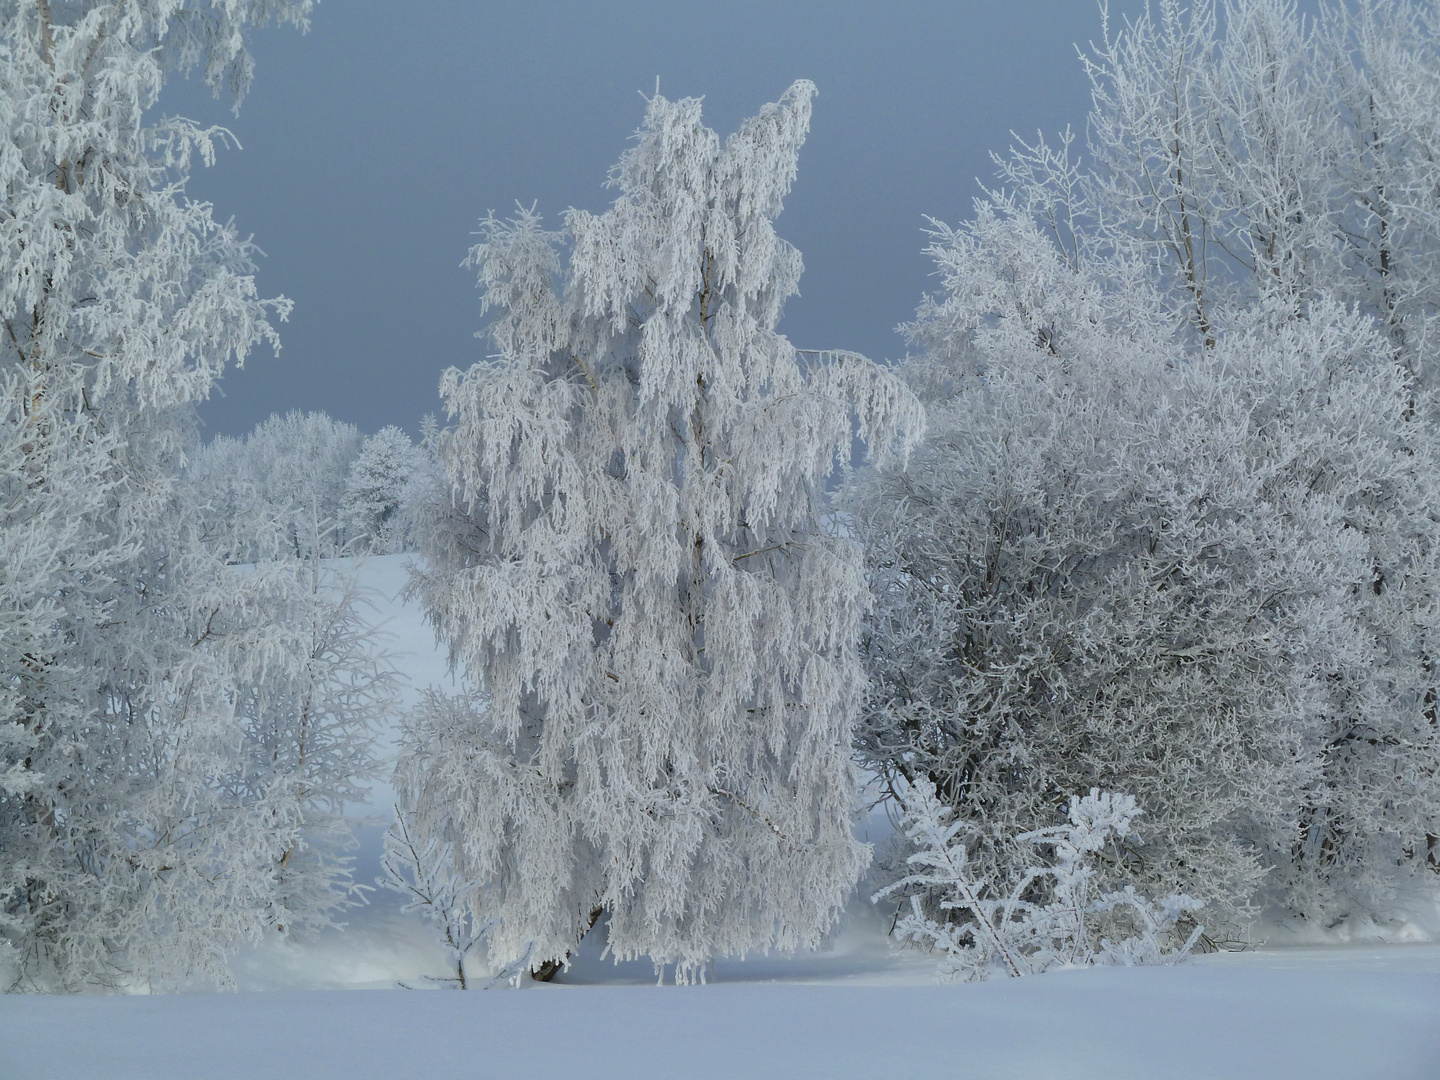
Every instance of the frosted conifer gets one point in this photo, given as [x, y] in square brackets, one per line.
[376, 486]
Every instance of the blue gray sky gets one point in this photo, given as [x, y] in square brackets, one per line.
[374, 143]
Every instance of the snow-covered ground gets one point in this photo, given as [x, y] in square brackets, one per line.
[860, 1007]
[1363, 1014]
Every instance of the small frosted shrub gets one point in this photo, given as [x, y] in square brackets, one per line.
[982, 930]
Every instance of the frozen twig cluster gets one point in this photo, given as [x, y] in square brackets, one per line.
[1053, 915]
[424, 873]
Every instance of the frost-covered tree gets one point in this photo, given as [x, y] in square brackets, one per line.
[1383, 63]
[376, 488]
[122, 857]
[1253, 188]
[311, 691]
[1200, 568]
[301, 461]
[633, 560]
[1210, 139]
[310, 683]
[1247, 154]
[283, 486]
[425, 874]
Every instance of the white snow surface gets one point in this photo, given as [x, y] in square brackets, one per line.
[860, 1007]
[1312, 1014]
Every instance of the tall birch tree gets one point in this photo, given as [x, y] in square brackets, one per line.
[634, 560]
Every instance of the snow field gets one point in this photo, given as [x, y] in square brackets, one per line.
[1310, 1014]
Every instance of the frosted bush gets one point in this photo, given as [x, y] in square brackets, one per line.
[1054, 915]
[423, 871]
[1173, 530]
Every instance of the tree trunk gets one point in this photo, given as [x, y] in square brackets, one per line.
[546, 971]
